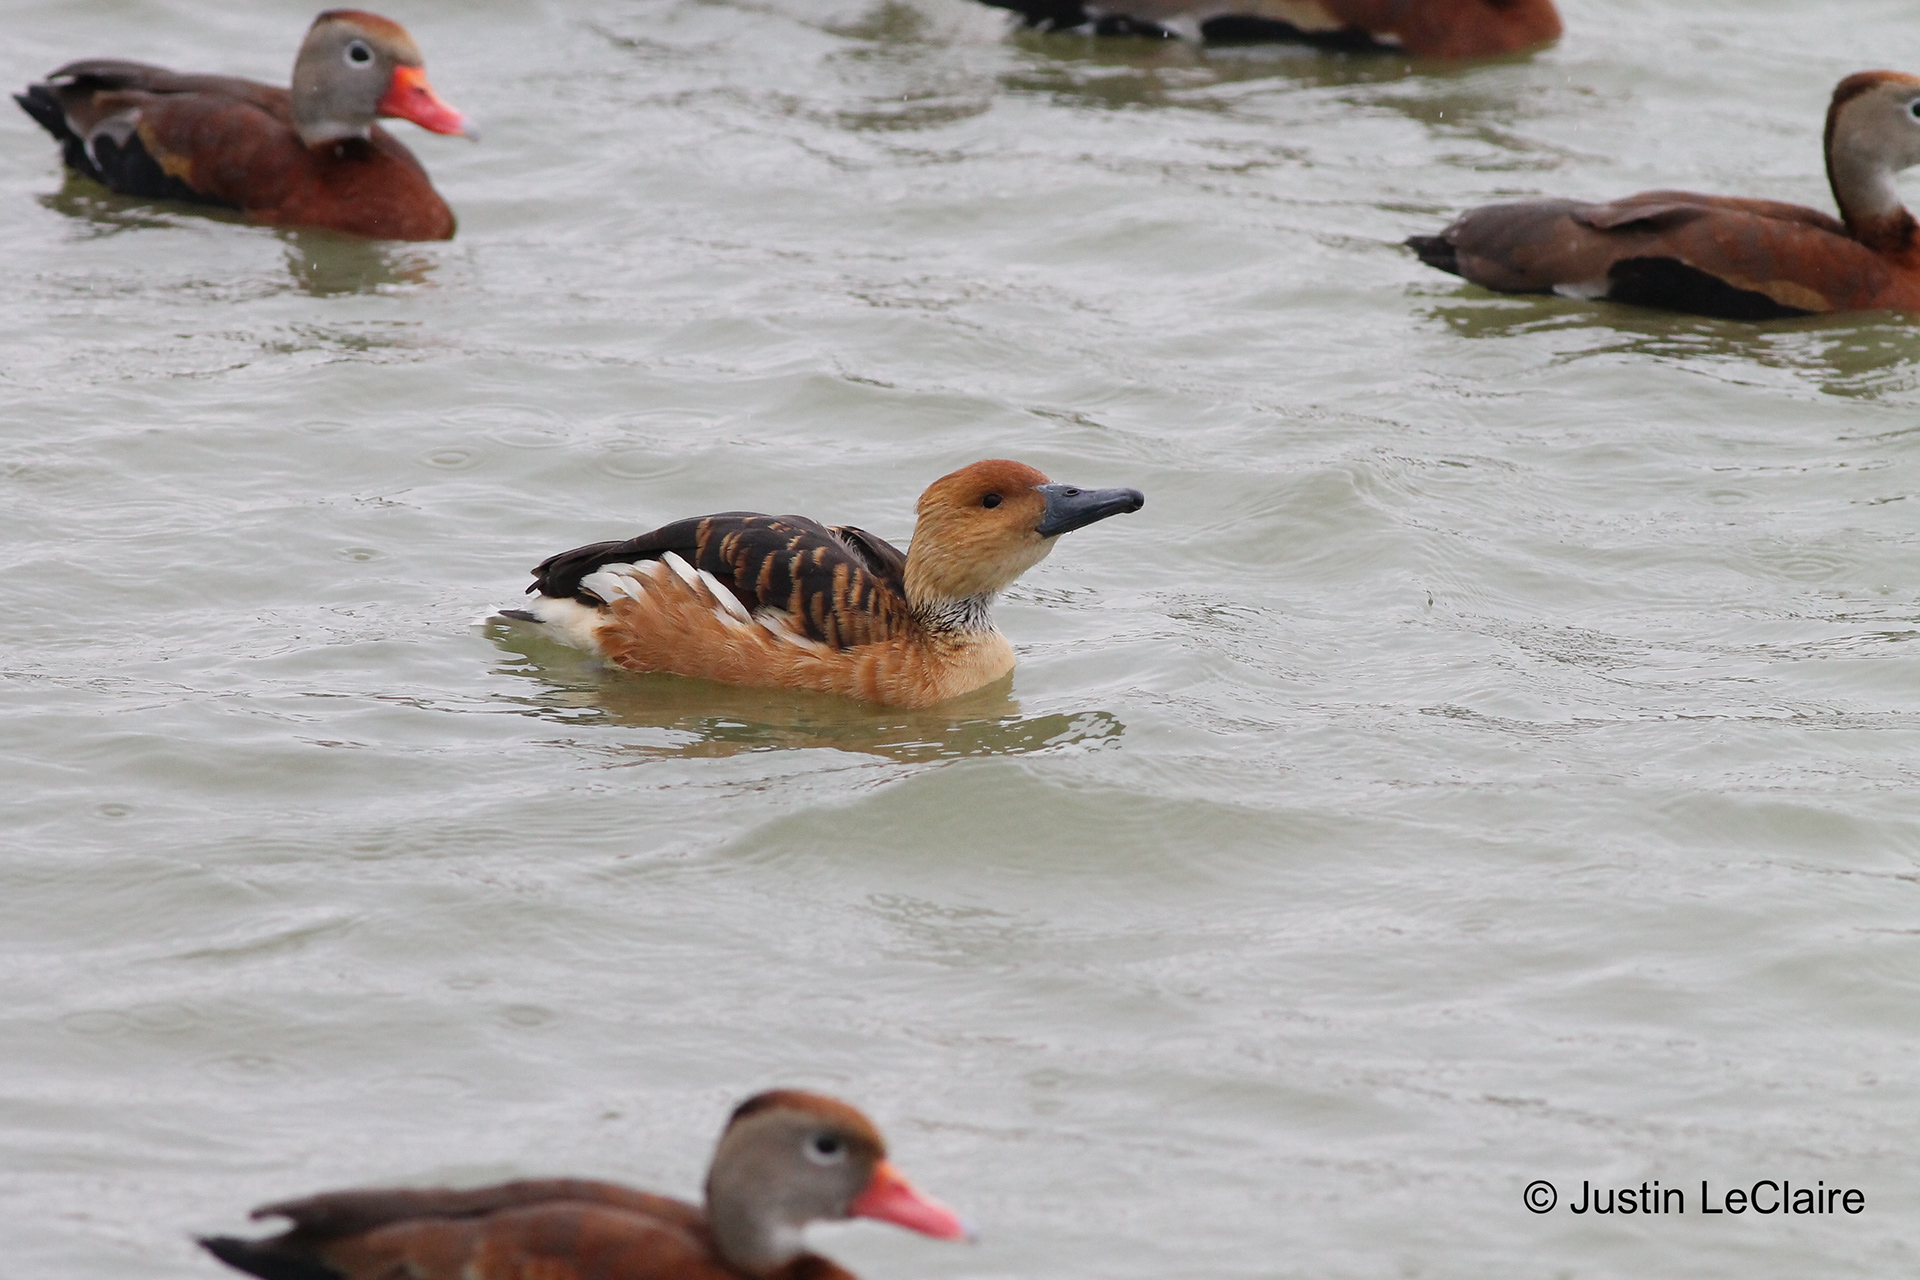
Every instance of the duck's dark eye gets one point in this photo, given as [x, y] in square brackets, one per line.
[991, 501]
[359, 54]
[1913, 108]
[826, 1148]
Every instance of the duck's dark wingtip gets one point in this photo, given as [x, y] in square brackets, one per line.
[266, 1259]
[1435, 251]
[518, 615]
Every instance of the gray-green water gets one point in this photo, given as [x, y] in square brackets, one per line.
[1490, 756]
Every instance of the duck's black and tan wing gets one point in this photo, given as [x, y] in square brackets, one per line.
[838, 586]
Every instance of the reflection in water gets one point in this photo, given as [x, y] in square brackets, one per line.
[1173, 73]
[1487, 110]
[327, 264]
[1862, 354]
[901, 39]
[925, 112]
[703, 719]
[1120, 72]
[889, 22]
[98, 211]
[321, 263]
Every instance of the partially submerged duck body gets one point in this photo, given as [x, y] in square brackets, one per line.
[787, 602]
[1418, 28]
[1722, 255]
[312, 156]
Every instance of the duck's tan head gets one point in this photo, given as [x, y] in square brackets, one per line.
[355, 66]
[1873, 132]
[986, 524]
[788, 1158]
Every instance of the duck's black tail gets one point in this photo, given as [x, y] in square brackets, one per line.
[1436, 251]
[38, 101]
[1048, 15]
[269, 1259]
[1072, 15]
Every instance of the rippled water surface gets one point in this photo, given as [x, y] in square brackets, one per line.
[1491, 755]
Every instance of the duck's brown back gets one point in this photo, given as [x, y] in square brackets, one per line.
[1711, 255]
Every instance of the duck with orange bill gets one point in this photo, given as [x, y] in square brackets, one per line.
[312, 156]
[787, 602]
[785, 1159]
[1726, 256]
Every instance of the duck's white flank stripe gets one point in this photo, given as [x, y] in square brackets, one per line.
[779, 625]
[1584, 289]
[612, 581]
[728, 601]
[681, 567]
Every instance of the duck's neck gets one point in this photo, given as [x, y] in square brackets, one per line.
[956, 620]
[754, 1245]
[1869, 201]
[319, 118]
[319, 134]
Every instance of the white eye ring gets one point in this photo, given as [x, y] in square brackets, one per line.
[825, 1149]
[358, 55]
[1913, 108]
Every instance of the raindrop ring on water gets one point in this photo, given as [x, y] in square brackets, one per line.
[1541, 1195]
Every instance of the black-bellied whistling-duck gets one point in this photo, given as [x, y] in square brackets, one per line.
[785, 1159]
[787, 602]
[1722, 255]
[1418, 28]
[309, 157]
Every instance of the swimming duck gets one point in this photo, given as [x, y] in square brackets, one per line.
[1418, 28]
[312, 157]
[1722, 255]
[785, 1159]
[787, 602]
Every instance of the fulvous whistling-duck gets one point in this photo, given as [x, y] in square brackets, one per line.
[785, 1159]
[1722, 255]
[787, 602]
[1418, 28]
[312, 157]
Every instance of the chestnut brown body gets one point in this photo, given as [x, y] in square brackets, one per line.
[785, 1159]
[1722, 255]
[311, 157]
